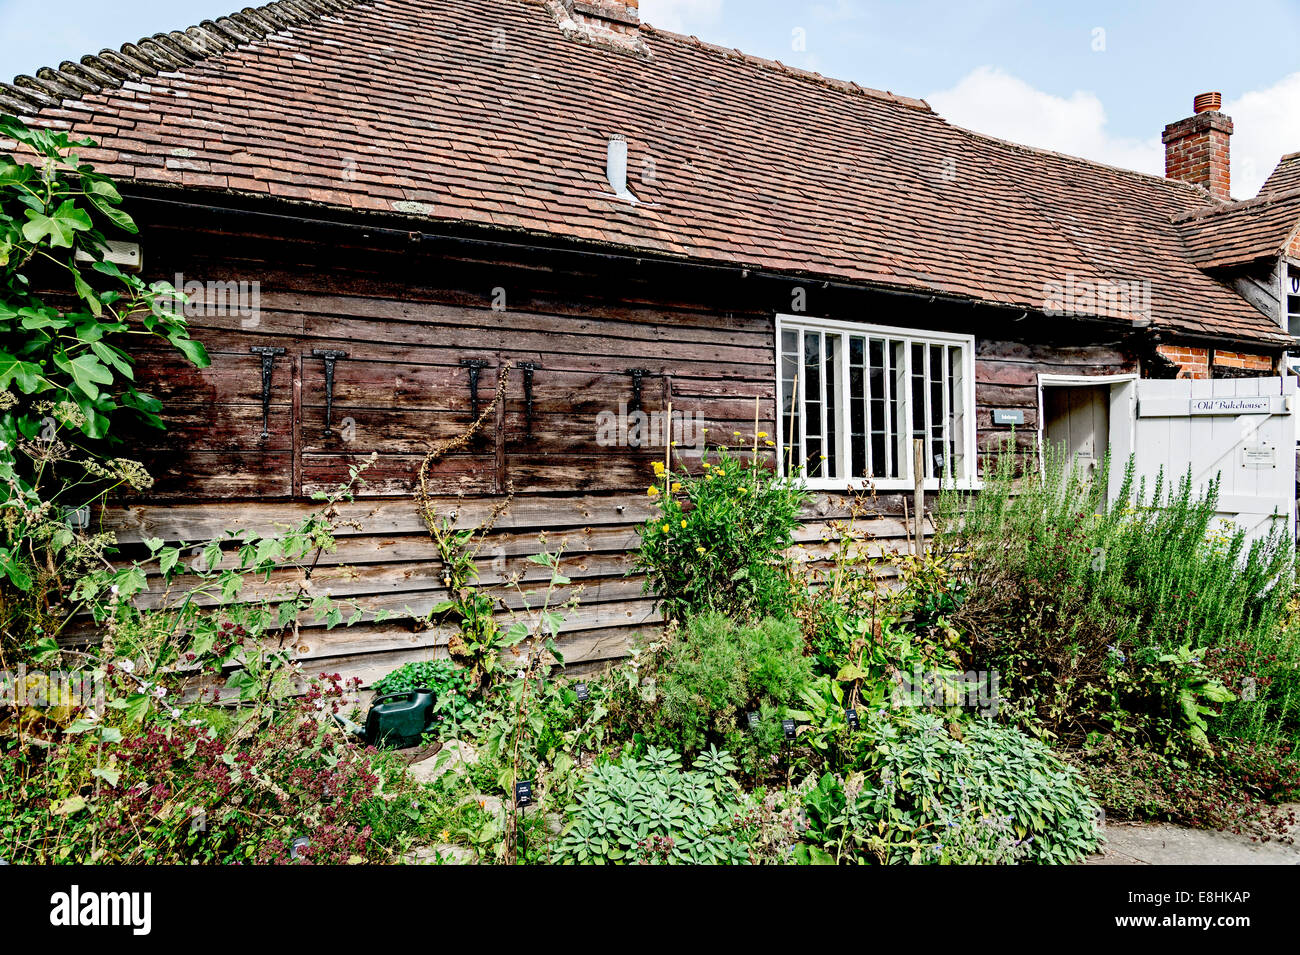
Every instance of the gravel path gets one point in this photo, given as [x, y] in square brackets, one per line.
[1136, 843]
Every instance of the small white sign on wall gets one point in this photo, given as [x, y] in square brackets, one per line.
[1259, 455]
[1256, 405]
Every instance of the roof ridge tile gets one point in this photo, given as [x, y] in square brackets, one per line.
[160, 53]
[1254, 205]
[731, 53]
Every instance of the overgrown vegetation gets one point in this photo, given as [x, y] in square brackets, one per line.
[151, 706]
[1137, 631]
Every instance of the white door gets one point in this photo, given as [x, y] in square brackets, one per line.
[1239, 429]
[1077, 419]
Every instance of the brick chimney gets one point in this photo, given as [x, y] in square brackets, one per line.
[612, 23]
[1196, 148]
[609, 15]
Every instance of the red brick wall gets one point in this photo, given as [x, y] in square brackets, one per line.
[1192, 362]
[1231, 359]
[1195, 362]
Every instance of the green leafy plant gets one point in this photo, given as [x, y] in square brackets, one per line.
[65, 373]
[48, 208]
[652, 811]
[989, 794]
[720, 539]
[716, 670]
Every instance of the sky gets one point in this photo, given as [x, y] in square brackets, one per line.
[1098, 79]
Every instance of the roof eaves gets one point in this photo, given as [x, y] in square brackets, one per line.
[160, 53]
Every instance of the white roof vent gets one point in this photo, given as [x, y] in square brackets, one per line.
[616, 167]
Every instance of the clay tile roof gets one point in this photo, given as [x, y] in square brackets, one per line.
[1242, 233]
[485, 112]
[1284, 178]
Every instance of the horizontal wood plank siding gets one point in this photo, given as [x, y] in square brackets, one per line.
[406, 320]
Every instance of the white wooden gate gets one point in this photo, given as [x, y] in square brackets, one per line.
[1241, 429]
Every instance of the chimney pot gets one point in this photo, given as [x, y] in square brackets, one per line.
[1207, 102]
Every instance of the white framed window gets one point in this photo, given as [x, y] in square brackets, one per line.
[853, 397]
[1291, 297]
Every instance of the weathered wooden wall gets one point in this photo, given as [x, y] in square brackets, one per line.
[407, 317]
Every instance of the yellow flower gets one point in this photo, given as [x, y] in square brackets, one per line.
[699, 550]
[762, 434]
[652, 491]
[659, 468]
[677, 486]
[744, 490]
[683, 522]
[665, 528]
[770, 444]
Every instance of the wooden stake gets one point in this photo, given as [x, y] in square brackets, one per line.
[668, 450]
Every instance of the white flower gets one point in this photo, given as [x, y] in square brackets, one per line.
[176, 714]
[126, 665]
[113, 590]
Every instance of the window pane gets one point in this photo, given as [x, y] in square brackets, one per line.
[919, 399]
[812, 406]
[938, 420]
[790, 420]
[833, 355]
[858, 435]
[878, 387]
[957, 413]
[899, 445]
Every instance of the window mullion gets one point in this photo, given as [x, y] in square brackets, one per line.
[845, 439]
[905, 419]
[826, 438]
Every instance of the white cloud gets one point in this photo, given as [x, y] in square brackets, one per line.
[1265, 127]
[1266, 124]
[991, 101]
[681, 16]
